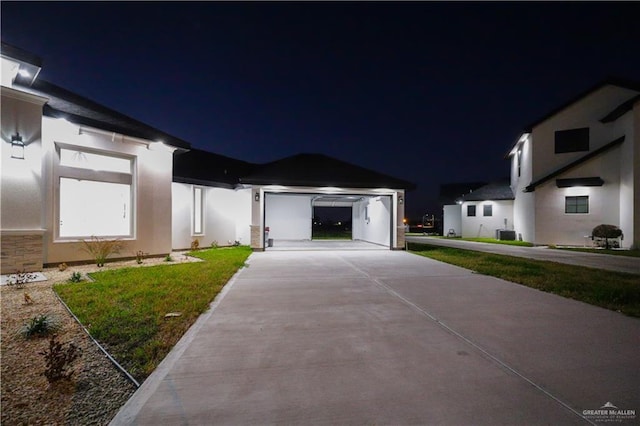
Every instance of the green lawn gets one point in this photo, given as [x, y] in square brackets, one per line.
[612, 290]
[629, 253]
[125, 309]
[491, 240]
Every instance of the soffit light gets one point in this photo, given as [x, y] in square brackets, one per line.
[17, 147]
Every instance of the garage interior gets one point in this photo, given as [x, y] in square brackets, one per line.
[290, 219]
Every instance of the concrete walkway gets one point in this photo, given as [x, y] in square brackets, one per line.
[591, 260]
[382, 337]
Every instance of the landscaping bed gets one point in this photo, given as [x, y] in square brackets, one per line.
[97, 389]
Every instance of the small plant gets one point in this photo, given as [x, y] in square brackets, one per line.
[62, 267]
[100, 249]
[139, 257]
[76, 277]
[214, 244]
[20, 278]
[40, 326]
[27, 299]
[195, 244]
[607, 232]
[58, 359]
[168, 258]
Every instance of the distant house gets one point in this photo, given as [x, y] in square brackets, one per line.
[575, 168]
[450, 198]
[72, 169]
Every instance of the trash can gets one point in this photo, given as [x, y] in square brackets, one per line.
[270, 242]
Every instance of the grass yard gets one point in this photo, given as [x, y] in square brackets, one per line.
[612, 290]
[125, 309]
[492, 241]
[629, 253]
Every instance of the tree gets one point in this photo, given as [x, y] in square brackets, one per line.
[606, 232]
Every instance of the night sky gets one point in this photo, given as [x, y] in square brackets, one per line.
[428, 92]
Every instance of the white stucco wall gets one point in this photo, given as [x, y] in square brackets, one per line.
[452, 219]
[585, 113]
[557, 227]
[480, 226]
[226, 213]
[151, 184]
[22, 187]
[377, 228]
[288, 216]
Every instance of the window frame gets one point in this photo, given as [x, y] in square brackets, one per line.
[469, 208]
[84, 174]
[194, 219]
[484, 210]
[576, 205]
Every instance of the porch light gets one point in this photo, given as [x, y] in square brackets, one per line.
[17, 147]
[257, 196]
[400, 200]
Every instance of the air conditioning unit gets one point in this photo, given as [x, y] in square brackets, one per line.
[505, 234]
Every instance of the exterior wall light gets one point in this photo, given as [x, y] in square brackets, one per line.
[257, 196]
[17, 147]
[400, 200]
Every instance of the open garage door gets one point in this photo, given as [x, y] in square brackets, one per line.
[290, 218]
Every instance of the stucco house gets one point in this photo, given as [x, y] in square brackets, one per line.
[573, 169]
[72, 169]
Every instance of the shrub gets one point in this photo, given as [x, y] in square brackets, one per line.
[606, 232]
[195, 244]
[76, 277]
[168, 258]
[214, 244]
[62, 267]
[58, 359]
[40, 326]
[139, 257]
[100, 249]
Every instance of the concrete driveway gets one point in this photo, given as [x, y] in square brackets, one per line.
[591, 260]
[381, 337]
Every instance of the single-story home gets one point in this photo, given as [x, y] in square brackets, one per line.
[73, 169]
[572, 170]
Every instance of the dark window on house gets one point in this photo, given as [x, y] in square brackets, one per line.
[578, 204]
[471, 210]
[487, 210]
[573, 140]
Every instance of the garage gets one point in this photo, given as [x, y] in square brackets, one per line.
[326, 218]
[289, 195]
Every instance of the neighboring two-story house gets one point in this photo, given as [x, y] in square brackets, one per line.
[578, 167]
[575, 168]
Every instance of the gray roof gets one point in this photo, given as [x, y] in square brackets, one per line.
[496, 191]
[206, 168]
[321, 170]
[77, 109]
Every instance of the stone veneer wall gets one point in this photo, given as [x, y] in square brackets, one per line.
[256, 242]
[401, 238]
[21, 252]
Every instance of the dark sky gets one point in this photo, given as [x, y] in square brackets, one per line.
[429, 92]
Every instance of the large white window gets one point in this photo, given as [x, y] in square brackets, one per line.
[95, 195]
[198, 211]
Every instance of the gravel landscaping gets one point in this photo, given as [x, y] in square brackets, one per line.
[97, 389]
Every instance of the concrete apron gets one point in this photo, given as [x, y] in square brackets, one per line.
[382, 337]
